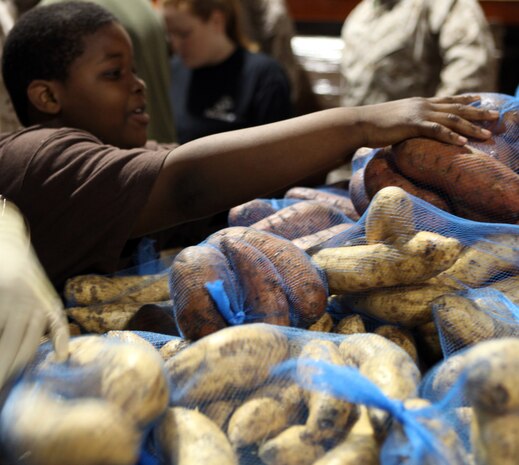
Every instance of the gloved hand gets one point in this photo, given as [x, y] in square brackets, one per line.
[29, 304]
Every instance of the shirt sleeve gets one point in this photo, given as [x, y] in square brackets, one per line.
[83, 199]
[468, 51]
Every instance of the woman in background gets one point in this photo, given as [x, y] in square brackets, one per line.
[218, 82]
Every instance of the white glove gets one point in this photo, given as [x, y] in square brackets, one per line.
[29, 304]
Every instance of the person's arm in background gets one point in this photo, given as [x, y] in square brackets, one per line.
[29, 304]
[467, 48]
[214, 173]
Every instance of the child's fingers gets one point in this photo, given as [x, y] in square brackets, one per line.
[467, 111]
[460, 125]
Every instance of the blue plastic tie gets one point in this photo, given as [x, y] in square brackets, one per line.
[217, 291]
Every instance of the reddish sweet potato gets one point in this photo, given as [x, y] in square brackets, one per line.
[301, 219]
[307, 242]
[264, 298]
[341, 202]
[357, 189]
[471, 179]
[250, 212]
[196, 313]
[380, 172]
[305, 288]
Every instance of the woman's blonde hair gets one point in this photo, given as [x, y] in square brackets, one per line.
[232, 11]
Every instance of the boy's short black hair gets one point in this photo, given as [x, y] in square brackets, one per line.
[43, 44]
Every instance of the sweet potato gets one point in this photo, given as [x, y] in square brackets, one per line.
[232, 360]
[305, 286]
[264, 297]
[195, 310]
[186, 437]
[250, 212]
[306, 243]
[466, 175]
[341, 202]
[380, 172]
[301, 219]
[357, 189]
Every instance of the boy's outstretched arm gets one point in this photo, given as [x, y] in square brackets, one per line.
[211, 174]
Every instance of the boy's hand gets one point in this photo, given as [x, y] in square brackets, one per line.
[447, 119]
[29, 305]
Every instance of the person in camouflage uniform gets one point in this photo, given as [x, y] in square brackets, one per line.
[403, 48]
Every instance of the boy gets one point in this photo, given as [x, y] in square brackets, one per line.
[88, 182]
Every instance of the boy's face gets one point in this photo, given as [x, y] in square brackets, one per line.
[102, 94]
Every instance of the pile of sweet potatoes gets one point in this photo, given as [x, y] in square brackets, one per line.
[478, 181]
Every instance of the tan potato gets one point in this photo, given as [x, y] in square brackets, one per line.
[173, 347]
[387, 365]
[351, 324]
[131, 375]
[354, 450]
[484, 260]
[450, 448]
[401, 337]
[390, 217]
[256, 421]
[492, 369]
[460, 321]
[187, 437]
[495, 438]
[291, 447]
[365, 267]
[323, 324]
[220, 411]
[407, 306]
[131, 337]
[41, 428]
[231, 360]
[93, 289]
[329, 417]
[100, 318]
[428, 342]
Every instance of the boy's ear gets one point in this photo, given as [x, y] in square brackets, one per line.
[218, 19]
[42, 95]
